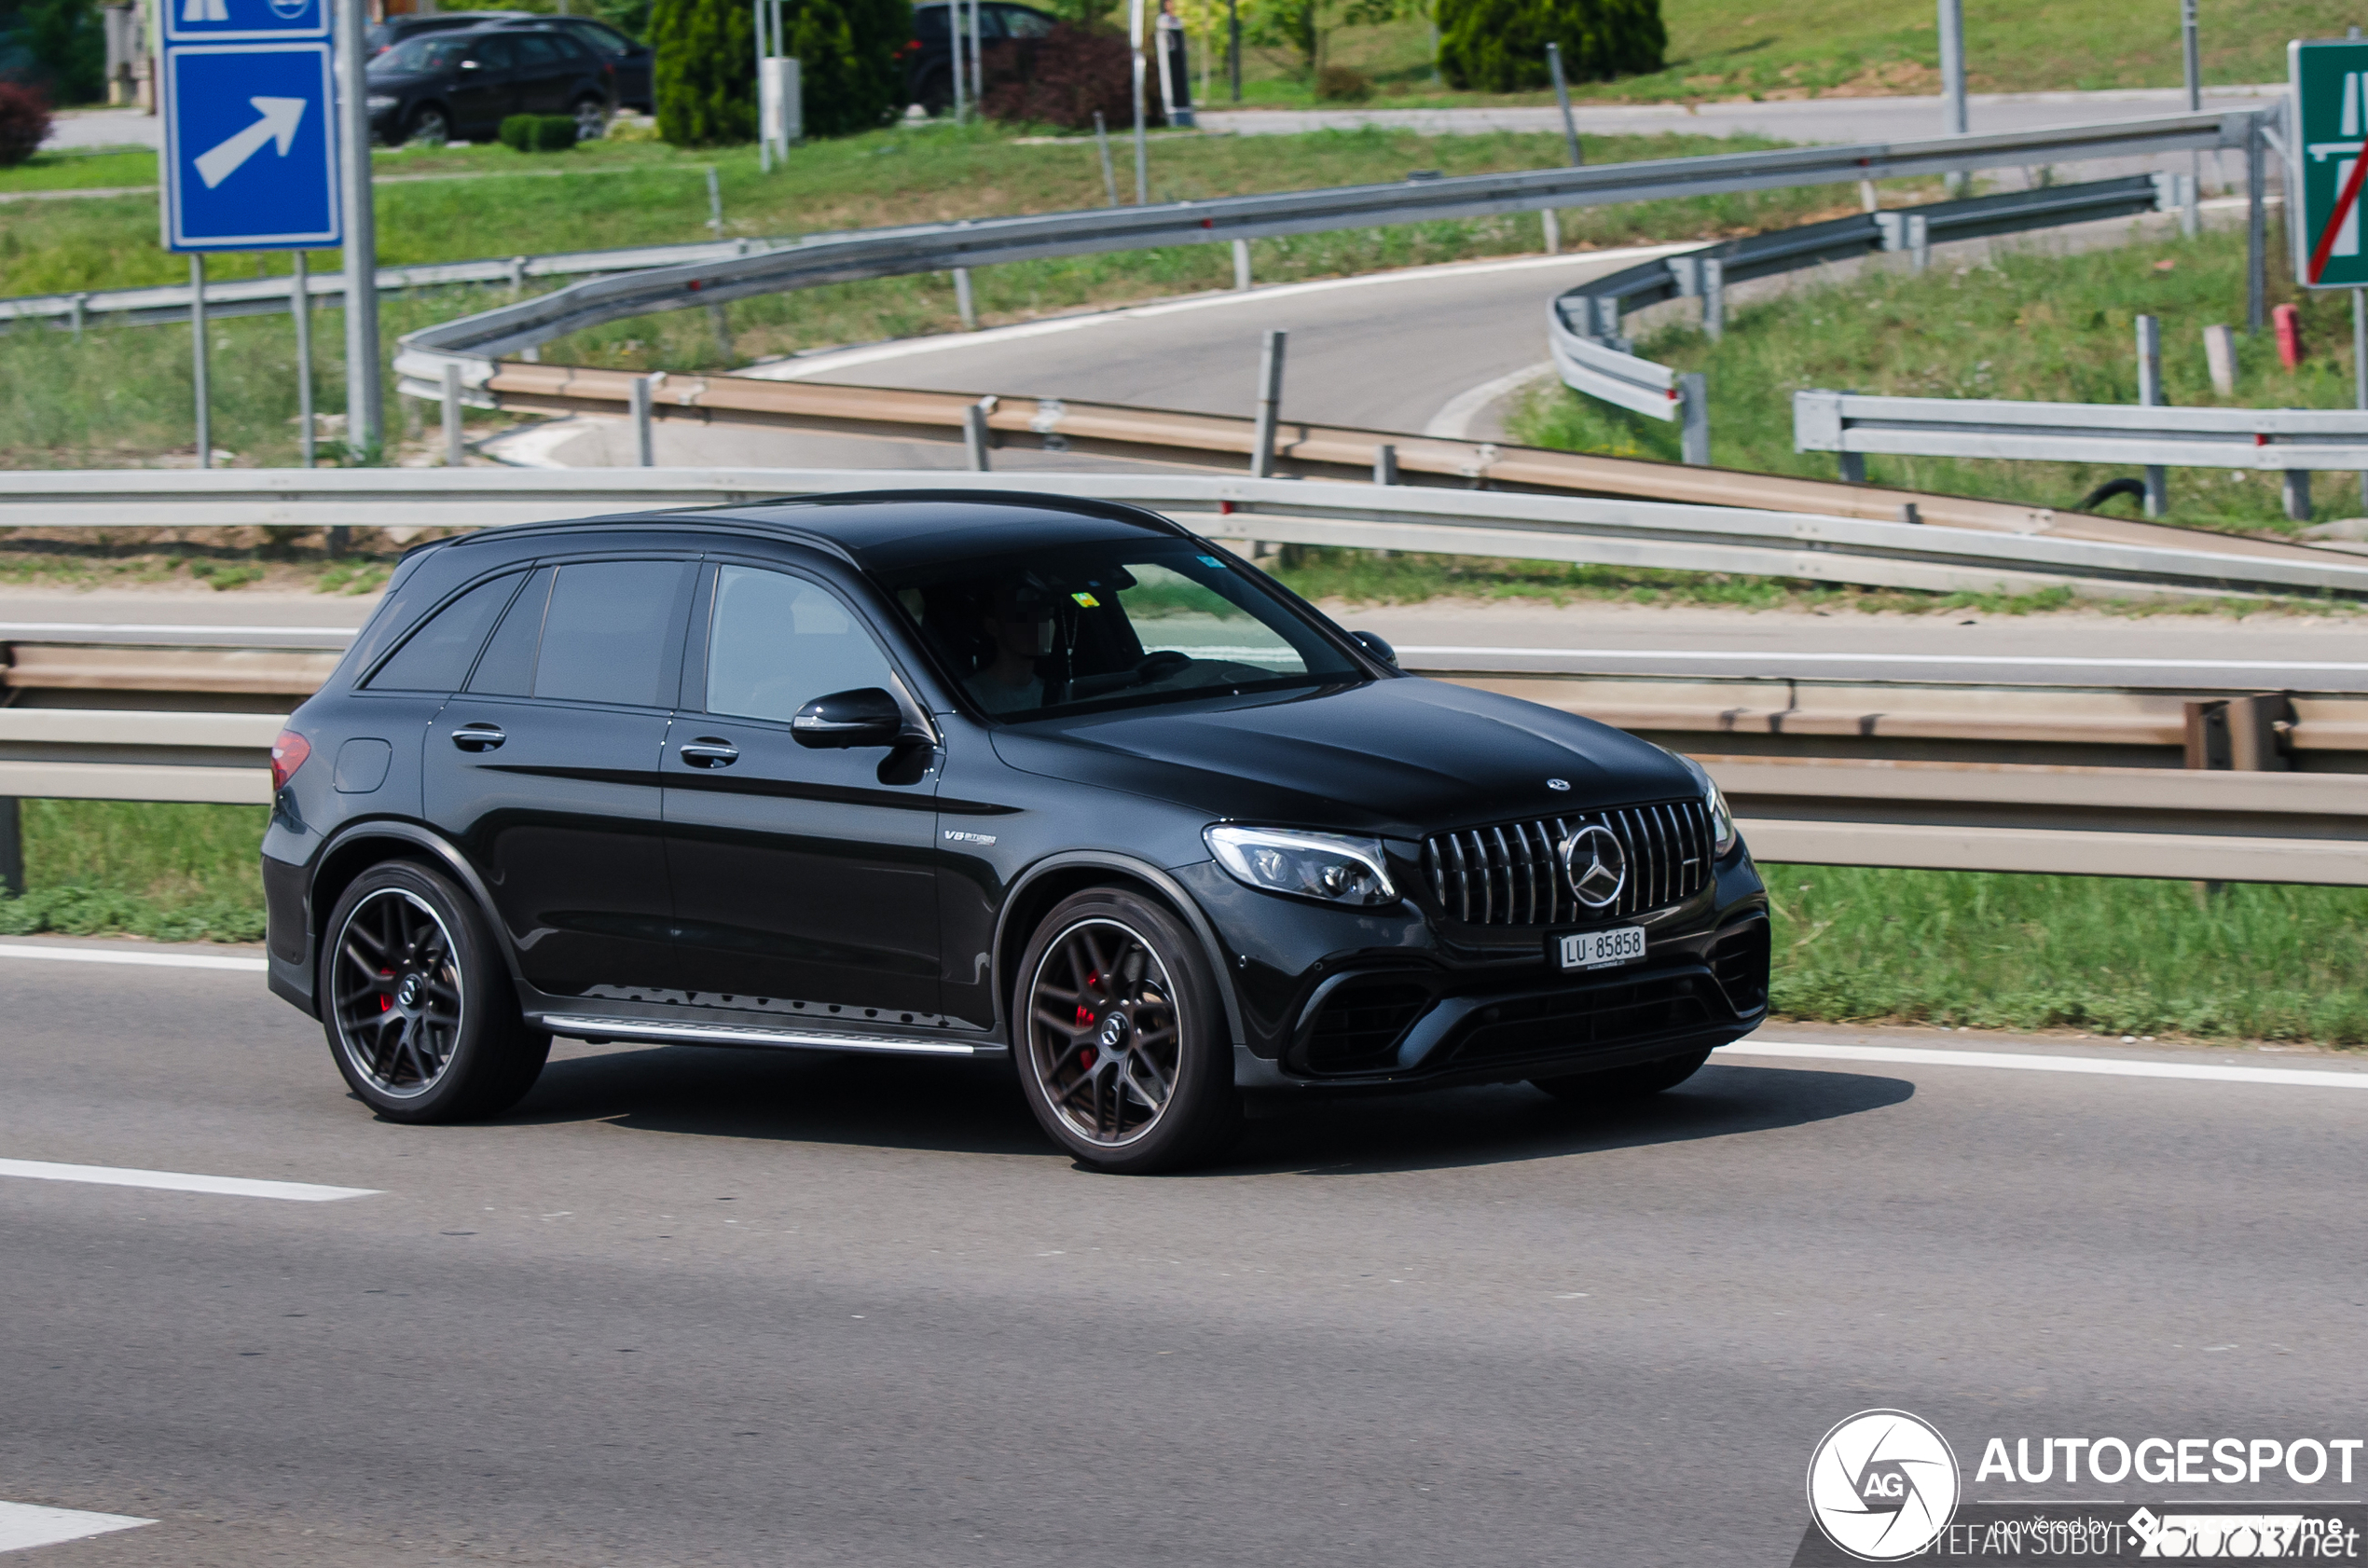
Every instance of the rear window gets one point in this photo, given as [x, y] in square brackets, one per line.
[436, 657]
[590, 631]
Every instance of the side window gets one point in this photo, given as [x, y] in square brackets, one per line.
[494, 54]
[436, 657]
[930, 21]
[776, 642]
[614, 45]
[1018, 23]
[590, 631]
[534, 48]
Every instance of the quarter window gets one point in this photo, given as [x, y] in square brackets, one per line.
[437, 656]
[776, 643]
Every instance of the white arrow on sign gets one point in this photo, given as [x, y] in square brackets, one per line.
[278, 123]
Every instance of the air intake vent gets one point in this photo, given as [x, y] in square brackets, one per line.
[1512, 874]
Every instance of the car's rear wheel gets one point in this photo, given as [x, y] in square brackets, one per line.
[1621, 1085]
[591, 119]
[428, 126]
[1124, 1056]
[420, 1011]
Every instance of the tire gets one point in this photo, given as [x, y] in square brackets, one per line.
[1130, 1077]
[429, 124]
[416, 1003]
[936, 96]
[1622, 1084]
[591, 119]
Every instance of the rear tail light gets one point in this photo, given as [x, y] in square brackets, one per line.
[287, 755]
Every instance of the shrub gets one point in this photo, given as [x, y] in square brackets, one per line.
[25, 122]
[1343, 84]
[1499, 46]
[539, 133]
[1064, 78]
[706, 70]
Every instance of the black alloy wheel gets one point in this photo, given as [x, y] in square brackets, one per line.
[1124, 1056]
[428, 126]
[418, 1007]
[591, 119]
[1620, 1085]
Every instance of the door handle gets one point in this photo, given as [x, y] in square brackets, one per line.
[709, 752]
[478, 738]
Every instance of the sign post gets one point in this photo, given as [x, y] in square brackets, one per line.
[2331, 125]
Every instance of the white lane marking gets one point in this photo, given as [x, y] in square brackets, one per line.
[158, 960]
[24, 628]
[1904, 1055]
[25, 1524]
[1879, 656]
[180, 1182]
[846, 359]
[1453, 421]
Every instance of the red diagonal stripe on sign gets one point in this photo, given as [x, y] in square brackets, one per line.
[2344, 205]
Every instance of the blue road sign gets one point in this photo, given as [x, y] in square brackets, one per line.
[250, 144]
[228, 22]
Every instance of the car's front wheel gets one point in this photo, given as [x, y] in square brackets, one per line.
[1124, 1051]
[591, 119]
[428, 126]
[1621, 1085]
[420, 1011]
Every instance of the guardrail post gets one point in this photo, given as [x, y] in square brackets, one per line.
[974, 438]
[1919, 242]
[963, 304]
[2220, 359]
[300, 303]
[1102, 140]
[80, 300]
[2150, 396]
[2256, 229]
[1867, 199]
[456, 449]
[1241, 265]
[12, 846]
[2360, 367]
[1714, 281]
[636, 403]
[714, 203]
[1693, 429]
[1852, 466]
[1270, 398]
[2191, 212]
[1551, 223]
[1385, 464]
[2297, 495]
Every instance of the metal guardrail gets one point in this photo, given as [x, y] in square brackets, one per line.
[2289, 441]
[1585, 529]
[473, 342]
[60, 754]
[1585, 325]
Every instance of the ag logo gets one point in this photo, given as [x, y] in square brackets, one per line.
[1882, 1485]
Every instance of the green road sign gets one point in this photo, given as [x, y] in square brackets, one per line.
[2331, 102]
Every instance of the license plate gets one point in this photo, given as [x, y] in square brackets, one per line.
[1596, 950]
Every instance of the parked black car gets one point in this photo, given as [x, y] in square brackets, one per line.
[988, 776]
[629, 59]
[928, 59]
[440, 86]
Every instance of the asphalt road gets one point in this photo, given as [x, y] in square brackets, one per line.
[707, 1307]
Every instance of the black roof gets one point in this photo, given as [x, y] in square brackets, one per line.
[890, 530]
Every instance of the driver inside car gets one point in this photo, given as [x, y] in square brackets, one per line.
[1019, 632]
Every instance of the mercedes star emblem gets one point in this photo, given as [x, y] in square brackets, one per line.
[1595, 865]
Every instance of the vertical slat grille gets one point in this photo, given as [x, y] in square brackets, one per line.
[1512, 873]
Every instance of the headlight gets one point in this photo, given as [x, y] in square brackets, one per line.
[1722, 821]
[1332, 867]
[380, 101]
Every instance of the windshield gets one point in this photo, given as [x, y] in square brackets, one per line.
[1083, 629]
[432, 52]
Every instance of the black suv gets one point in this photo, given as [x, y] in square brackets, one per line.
[438, 86]
[975, 775]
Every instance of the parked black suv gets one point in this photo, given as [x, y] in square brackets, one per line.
[439, 86]
[630, 59]
[928, 59]
[975, 775]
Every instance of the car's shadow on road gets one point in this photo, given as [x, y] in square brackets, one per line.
[975, 1108]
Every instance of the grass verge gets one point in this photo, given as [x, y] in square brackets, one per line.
[2034, 324]
[1852, 946]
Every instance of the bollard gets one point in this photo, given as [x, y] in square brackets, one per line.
[1270, 399]
[2220, 359]
[2289, 325]
[456, 449]
[975, 437]
[1385, 464]
[2150, 396]
[1693, 433]
[963, 305]
[1241, 265]
[636, 403]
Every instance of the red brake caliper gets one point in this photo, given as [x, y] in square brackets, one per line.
[386, 1002]
[1085, 1020]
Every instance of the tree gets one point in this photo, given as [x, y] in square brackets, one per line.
[1305, 26]
[1499, 46]
[706, 69]
[60, 45]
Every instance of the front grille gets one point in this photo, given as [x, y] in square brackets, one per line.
[1511, 874]
[1600, 1017]
[1360, 1024]
[1739, 960]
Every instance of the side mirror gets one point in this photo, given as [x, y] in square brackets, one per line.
[843, 721]
[1373, 644]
